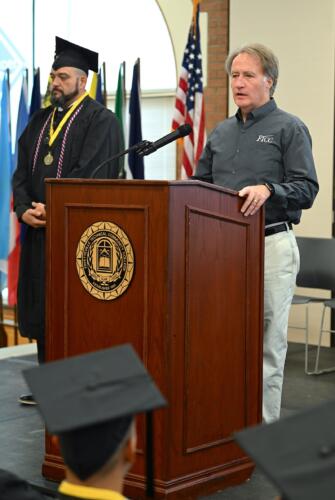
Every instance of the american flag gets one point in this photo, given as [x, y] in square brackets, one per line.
[189, 105]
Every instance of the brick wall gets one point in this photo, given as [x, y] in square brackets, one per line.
[216, 92]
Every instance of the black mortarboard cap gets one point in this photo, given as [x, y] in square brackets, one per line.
[297, 453]
[89, 401]
[70, 54]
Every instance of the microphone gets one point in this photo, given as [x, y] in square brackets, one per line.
[136, 147]
[181, 131]
[144, 148]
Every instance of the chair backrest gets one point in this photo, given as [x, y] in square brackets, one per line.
[317, 263]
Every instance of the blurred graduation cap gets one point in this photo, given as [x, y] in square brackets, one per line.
[75, 56]
[297, 453]
[90, 400]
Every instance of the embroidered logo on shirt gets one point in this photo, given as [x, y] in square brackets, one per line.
[265, 138]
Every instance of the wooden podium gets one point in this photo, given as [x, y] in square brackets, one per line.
[193, 311]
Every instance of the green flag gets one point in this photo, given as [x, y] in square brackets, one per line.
[120, 101]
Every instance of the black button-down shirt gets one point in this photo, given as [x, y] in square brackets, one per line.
[270, 146]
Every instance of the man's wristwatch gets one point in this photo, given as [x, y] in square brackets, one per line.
[270, 188]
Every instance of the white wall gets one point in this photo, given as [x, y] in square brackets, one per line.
[302, 34]
[178, 17]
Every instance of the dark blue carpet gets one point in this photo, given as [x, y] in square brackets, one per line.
[22, 431]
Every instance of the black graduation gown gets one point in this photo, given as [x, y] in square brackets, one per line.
[14, 488]
[92, 136]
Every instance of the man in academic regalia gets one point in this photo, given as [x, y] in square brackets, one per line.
[70, 138]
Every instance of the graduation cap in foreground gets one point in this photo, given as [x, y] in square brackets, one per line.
[297, 453]
[90, 400]
[75, 56]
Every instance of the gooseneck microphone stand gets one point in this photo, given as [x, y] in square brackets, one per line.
[141, 148]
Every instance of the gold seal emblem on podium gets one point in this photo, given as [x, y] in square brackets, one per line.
[105, 260]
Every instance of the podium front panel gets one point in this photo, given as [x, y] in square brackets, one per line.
[193, 311]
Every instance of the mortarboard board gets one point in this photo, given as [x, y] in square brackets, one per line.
[297, 453]
[90, 400]
[70, 54]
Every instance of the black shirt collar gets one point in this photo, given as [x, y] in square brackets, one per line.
[258, 113]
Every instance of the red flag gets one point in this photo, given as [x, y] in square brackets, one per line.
[189, 105]
[13, 257]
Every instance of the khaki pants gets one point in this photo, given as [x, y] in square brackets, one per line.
[281, 266]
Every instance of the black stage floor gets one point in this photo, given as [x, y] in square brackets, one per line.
[22, 431]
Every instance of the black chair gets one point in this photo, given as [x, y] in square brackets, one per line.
[317, 270]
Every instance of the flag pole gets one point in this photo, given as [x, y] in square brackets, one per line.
[8, 102]
[104, 83]
[33, 34]
[139, 71]
[195, 8]
[124, 79]
[124, 99]
[26, 76]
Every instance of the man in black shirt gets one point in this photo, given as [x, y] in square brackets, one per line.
[265, 154]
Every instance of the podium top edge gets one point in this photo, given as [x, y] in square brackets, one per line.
[140, 182]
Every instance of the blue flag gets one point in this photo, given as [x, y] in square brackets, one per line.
[120, 104]
[5, 176]
[35, 102]
[22, 118]
[136, 163]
